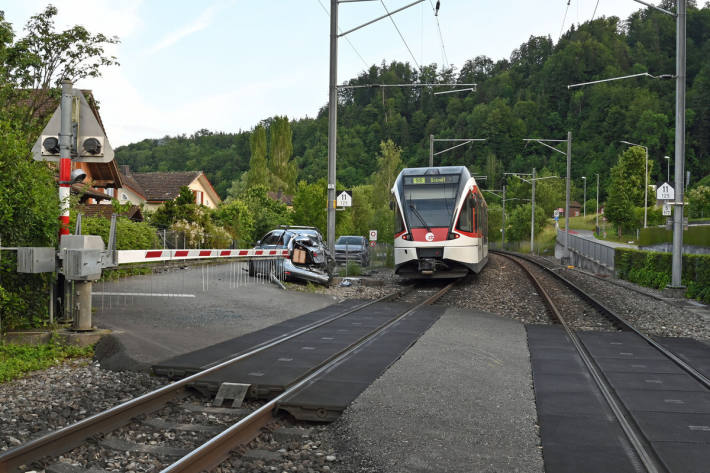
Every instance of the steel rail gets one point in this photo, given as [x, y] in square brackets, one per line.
[65, 439]
[213, 452]
[698, 376]
[633, 434]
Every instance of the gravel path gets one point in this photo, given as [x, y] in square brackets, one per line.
[49, 399]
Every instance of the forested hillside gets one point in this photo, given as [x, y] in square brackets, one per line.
[523, 97]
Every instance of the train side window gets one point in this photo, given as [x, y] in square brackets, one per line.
[466, 216]
[398, 221]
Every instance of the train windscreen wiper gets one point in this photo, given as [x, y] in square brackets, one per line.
[419, 216]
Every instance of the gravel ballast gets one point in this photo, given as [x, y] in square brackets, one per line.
[50, 399]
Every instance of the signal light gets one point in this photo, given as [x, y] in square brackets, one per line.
[51, 144]
[92, 146]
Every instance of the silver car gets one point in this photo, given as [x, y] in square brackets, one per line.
[309, 258]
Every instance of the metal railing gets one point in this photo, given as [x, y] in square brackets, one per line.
[590, 249]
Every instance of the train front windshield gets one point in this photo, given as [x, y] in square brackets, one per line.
[430, 200]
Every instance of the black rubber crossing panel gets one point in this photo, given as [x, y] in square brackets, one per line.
[666, 401]
[334, 390]
[267, 375]
[579, 432]
[653, 381]
[671, 408]
[197, 360]
[678, 427]
[683, 457]
[693, 352]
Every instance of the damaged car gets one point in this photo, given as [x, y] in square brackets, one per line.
[309, 258]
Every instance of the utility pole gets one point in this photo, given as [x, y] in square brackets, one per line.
[502, 241]
[677, 266]
[680, 16]
[431, 151]
[532, 181]
[332, 122]
[65, 135]
[597, 225]
[333, 104]
[645, 193]
[584, 203]
[569, 167]
[532, 216]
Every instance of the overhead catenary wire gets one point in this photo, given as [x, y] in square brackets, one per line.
[595, 11]
[400, 34]
[444, 58]
[327, 12]
[564, 18]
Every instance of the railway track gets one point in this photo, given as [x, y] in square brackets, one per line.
[204, 434]
[557, 293]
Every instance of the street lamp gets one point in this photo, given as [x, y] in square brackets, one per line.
[668, 169]
[584, 203]
[645, 192]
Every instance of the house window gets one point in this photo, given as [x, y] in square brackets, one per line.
[198, 197]
[110, 191]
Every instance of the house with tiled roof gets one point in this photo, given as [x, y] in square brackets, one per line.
[156, 188]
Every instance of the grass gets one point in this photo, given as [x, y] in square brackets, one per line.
[17, 360]
[581, 223]
[352, 269]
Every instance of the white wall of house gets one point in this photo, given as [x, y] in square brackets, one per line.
[126, 194]
[204, 193]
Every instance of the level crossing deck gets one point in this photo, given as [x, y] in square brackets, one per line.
[272, 370]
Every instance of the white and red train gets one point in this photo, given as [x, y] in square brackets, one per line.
[441, 223]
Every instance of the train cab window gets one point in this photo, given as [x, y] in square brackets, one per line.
[466, 217]
[398, 221]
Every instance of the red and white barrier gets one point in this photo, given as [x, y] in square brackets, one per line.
[147, 256]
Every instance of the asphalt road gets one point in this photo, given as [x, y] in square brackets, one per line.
[158, 316]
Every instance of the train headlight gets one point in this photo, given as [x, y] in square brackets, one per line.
[453, 236]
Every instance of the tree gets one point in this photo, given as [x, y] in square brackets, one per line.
[258, 170]
[268, 213]
[518, 222]
[699, 200]
[238, 219]
[626, 188]
[283, 172]
[309, 204]
[29, 69]
[44, 57]
[389, 164]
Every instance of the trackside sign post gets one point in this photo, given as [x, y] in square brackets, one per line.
[345, 199]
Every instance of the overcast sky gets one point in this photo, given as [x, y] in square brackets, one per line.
[226, 64]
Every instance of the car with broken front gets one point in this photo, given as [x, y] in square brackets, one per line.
[308, 257]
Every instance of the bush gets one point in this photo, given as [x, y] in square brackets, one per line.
[130, 235]
[653, 269]
[698, 235]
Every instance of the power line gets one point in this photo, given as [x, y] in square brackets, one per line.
[563, 21]
[444, 58]
[346, 38]
[400, 34]
[595, 10]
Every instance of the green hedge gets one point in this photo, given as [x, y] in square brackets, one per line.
[653, 269]
[695, 236]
